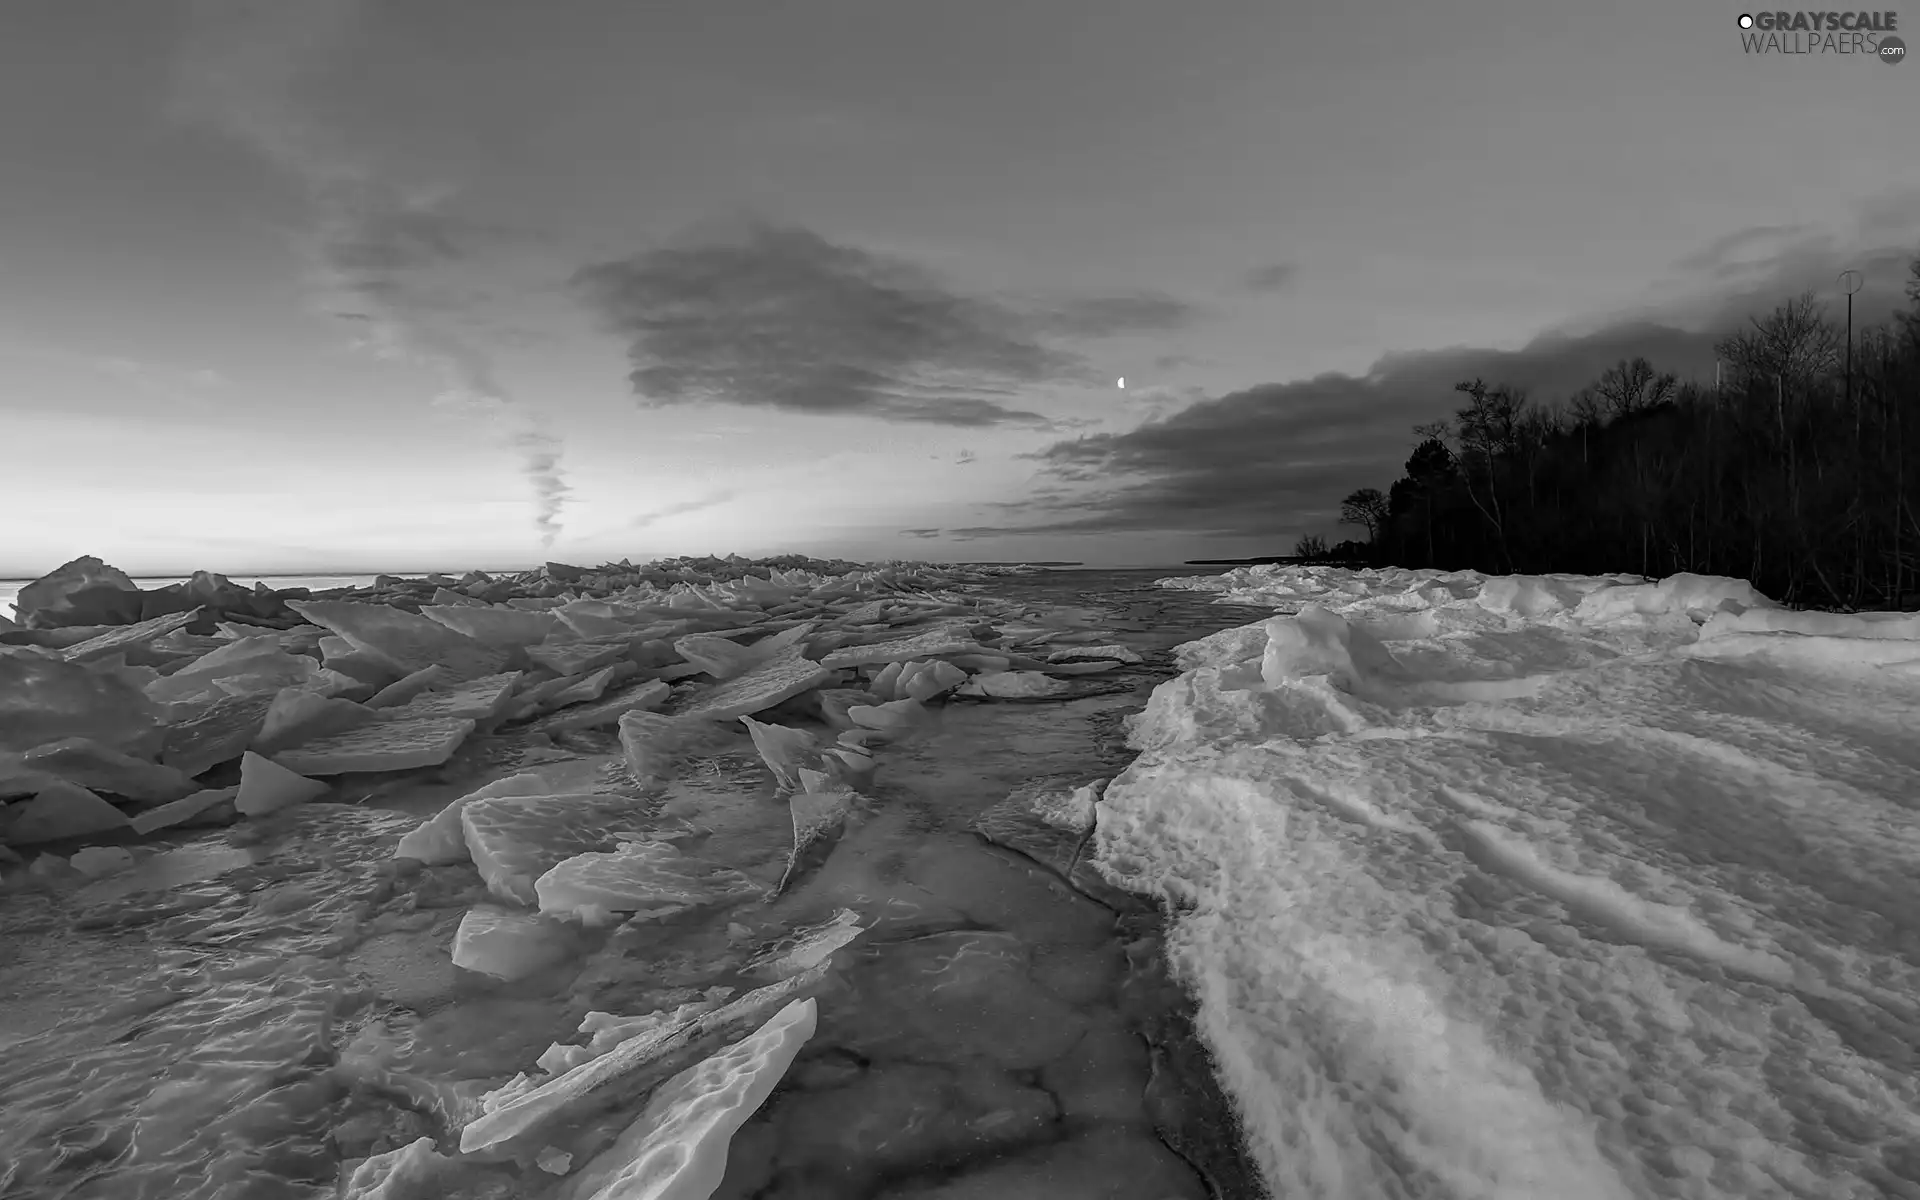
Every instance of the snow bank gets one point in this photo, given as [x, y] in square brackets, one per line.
[1543, 886]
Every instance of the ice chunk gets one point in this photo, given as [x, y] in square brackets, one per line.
[500, 627]
[643, 694]
[783, 748]
[126, 637]
[654, 744]
[618, 1078]
[44, 698]
[1015, 685]
[717, 656]
[645, 877]
[442, 839]
[248, 666]
[413, 1172]
[677, 1148]
[509, 945]
[374, 670]
[779, 678]
[296, 715]
[1076, 653]
[589, 687]
[401, 690]
[215, 734]
[266, 786]
[185, 811]
[804, 949]
[923, 681]
[514, 840]
[408, 641]
[91, 765]
[101, 861]
[61, 810]
[578, 658]
[945, 639]
[820, 811]
[895, 714]
[83, 591]
[479, 700]
[396, 743]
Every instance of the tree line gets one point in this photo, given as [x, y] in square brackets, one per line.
[1791, 471]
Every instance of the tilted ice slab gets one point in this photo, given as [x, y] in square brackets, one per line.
[407, 641]
[781, 677]
[1014, 685]
[514, 840]
[1585, 940]
[677, 1148]
[394, 741]
[945, 639]
[508, 945]
[442, 839]
[647, 878]
[623, 1075]
[499, 626]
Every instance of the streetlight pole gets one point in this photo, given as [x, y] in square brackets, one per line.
[1850, 282]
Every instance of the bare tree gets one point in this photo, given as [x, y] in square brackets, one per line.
[1787, 350]
[1365, 506]
[1311, 546]
[1628, 387]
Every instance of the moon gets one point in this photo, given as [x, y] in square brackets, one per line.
[1123, 383]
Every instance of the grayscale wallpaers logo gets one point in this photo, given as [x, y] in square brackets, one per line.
[1865, 33]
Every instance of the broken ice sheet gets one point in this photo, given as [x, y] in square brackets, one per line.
[527, 1123]
[784, 749]
[442, 839]
[647, 878]
[514, 840]
[388, 743]
[44, 698]
[804, 948]
[781, 677]
[408, 641]
[509, 945]
[677, 1147]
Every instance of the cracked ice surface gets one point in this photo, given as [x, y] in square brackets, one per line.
[1544, 886]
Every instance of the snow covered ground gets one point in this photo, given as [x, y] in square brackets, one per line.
[1544, 887]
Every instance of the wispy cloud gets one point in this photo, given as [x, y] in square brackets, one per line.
[920, 533]
[243, 71]
[711, 500]
[776, 316]
[1269, 278]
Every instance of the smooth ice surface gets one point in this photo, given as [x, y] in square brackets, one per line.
[1546, 886]
[677, 1148]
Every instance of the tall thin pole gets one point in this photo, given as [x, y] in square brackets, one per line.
[1850, 281]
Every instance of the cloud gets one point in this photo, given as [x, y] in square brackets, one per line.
[965, 457]
[920, 533]
[1112, 316]
[1270, 278]
[1271, 460]
[776, 316]
[712, 500]
[243, 71]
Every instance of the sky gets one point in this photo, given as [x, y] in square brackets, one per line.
[337, 285]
